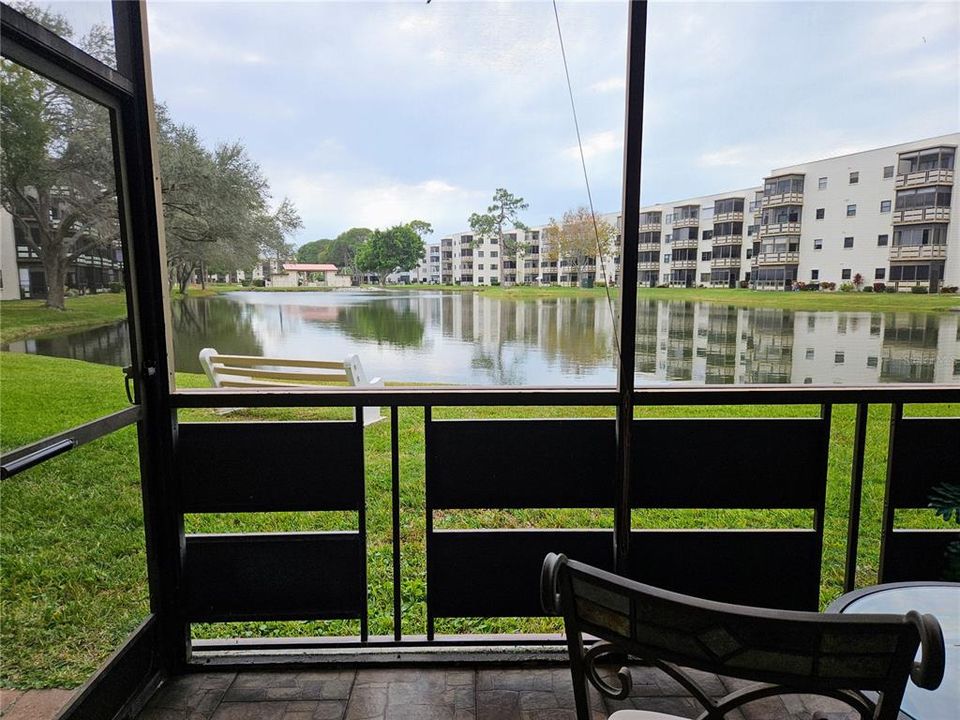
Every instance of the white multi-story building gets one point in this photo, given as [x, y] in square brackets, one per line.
[878, 216]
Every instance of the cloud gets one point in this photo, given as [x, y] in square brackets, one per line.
[596, 145]
[610, 85]
[333, 202]
[724, 157]
[189, 45]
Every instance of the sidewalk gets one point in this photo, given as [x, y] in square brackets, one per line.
[32, 704]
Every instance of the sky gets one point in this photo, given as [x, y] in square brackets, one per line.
[370, 114]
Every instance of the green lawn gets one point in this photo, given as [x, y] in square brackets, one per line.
[73, 577]
[29, 318]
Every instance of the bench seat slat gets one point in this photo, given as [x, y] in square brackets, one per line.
[256, 361]
[281, 375]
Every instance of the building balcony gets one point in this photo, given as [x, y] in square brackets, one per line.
[778, 258]
[918, 252]
[649, 247]
[688, 243]
[787, 228]
[791, 198]
[733, 262]
[686, 222]
[920, 215]
[728, 239]
[728, 217]
[650, 227]
[683, 265]
[925, 177]
[649, 265]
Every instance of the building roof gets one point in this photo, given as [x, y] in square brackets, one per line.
[309, 267]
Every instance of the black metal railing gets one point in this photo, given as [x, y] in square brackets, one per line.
[479, 573]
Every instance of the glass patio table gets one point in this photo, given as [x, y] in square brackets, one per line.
[941, 600]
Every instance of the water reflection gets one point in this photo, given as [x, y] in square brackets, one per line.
[471, 338]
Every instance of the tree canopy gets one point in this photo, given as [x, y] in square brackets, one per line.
[58, 179]
[578, 240]
[503, 213]
[386, 251]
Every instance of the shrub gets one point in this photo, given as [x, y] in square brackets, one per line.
[116, 287]
[949, 289]
[846, 287]
[744, 284]
[245, 283]
[599, 283]
[879, 287]
[891, 288]
[827, 285]
[868, 289]
[919, 290]
[260, 282]
[811, 287]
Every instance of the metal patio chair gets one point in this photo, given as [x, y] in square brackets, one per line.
[861, 660]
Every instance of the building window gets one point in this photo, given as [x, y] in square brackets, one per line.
[854, 178]
[822, 183]
[810, 353]
[666, 258]
[848, 242]
[884, 206]
[820, 212]
[814, 274]
[494, 253]
[872, 361]
[879, 273]
[845, 274]
[705, 256]
[851, 210]
[882, 240]
[818, 244]
[887, 171]
[838, 358]
[480, 266]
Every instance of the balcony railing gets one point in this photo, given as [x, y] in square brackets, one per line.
[686, 243]
[918, 252]
[650, 227]
[684, 264]
[725, 262]
[778, 258]
[786, 228]
[728, 217]
[919, 215]
[790, 198]
[649, 265]
[686, 222]
[925, 177]
[728, 239]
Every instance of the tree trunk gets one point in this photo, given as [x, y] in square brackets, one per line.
[203, 276]
[55, 272]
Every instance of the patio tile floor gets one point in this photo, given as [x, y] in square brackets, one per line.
[458, 693]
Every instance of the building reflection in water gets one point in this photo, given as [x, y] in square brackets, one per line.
[472, 338]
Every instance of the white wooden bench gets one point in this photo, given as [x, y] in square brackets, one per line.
[242, 371]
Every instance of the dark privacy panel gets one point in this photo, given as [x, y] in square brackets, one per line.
[287, 576]
[924, 453]
[249, 467]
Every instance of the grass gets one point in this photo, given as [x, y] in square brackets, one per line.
[73, 566]
[30, 318]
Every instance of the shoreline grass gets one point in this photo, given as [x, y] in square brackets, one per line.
[73, 564]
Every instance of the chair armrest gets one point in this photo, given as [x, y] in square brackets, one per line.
[928, 672]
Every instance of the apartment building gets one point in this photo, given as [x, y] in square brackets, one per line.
[881, 215]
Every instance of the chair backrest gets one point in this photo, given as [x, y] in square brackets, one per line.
[785, 652]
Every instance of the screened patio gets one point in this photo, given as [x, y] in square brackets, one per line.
[625, 461]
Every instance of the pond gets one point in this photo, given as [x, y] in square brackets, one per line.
[470, 338]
